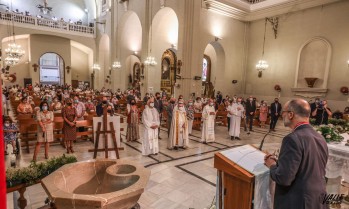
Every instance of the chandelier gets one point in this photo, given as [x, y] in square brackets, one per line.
[116, 65]
[262, 64]
[14, 53]
[96, 67]
[44, 8]
[150, 61]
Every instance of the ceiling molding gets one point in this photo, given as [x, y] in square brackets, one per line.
[249, 12]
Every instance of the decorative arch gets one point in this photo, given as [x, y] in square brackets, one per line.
[130, 32]
[214, 54]
[51, 69]
[313, 60]
[168, 71]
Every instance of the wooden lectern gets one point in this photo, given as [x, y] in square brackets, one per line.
[235, 185]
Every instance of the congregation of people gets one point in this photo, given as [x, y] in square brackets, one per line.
[46, 102]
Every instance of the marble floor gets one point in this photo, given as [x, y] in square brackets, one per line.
[180, 179]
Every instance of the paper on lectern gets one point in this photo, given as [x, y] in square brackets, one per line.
[247, 157]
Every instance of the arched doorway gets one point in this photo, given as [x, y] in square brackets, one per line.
[213, 69]
[207, 86]
[51, 69]
[168, 71]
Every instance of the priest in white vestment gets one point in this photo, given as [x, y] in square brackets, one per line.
[179, 135]
[236, 111]
[208, 117]
[151, 122]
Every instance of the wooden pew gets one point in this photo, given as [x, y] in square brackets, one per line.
[197, 121]
[221, 118]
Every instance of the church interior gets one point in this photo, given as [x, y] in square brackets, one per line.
[188, 49]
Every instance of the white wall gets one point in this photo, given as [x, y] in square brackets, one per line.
[79, 65]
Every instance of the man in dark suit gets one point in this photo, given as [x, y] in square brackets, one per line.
[299, 173]
[275, 110]
[250, 110]
[159, 107]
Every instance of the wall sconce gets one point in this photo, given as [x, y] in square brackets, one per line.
[234, 81]
[68, 69]
[135, 53]
[177, 85]
[216, 38]
[35, 66]
[197, 78]
[348, 63]
[277, 87]
[344, 90]
[173, 46]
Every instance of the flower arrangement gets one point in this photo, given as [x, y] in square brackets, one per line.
[35, 171]
[342, 126]
[329, 132]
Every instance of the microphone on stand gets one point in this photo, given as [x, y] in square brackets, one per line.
[262, 142]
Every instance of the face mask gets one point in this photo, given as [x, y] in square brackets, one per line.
[172, 102]
[251, 99]
[264, 105]
[69, 103]
[133, 103]
[44, 108]
[88, 101]
[104, 102]
[76, 101]
[158, 97]
[276, 101]
[151, 104]
[7, 124]
[190, 103]
[211, 104]
[109, 111]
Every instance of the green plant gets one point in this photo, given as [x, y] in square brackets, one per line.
[36, 171]
[329, 132]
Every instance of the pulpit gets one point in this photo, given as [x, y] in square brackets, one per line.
[242, 179]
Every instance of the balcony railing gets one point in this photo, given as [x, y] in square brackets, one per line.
[47, 23]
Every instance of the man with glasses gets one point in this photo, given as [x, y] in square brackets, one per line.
[299, 172]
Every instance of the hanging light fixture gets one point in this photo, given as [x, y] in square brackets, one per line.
[150, 60]
[96, 67]
[262, 64]
[14, 52]
[117, 63]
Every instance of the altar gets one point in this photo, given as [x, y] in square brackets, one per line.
[337, 168]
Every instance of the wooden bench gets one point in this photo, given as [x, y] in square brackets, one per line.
[197, 121]
[221, 118]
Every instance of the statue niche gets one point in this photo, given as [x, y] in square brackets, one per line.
[168, 71]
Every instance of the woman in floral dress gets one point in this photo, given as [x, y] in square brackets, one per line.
[132, 121]
[69, 126]
[263, 114]
[45, 129]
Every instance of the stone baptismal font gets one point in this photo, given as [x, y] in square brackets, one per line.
[97, 184]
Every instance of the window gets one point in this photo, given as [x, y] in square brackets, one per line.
[51, 69]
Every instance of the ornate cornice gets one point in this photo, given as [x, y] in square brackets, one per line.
[249, 12]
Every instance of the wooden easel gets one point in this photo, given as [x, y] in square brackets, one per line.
[105, 133]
